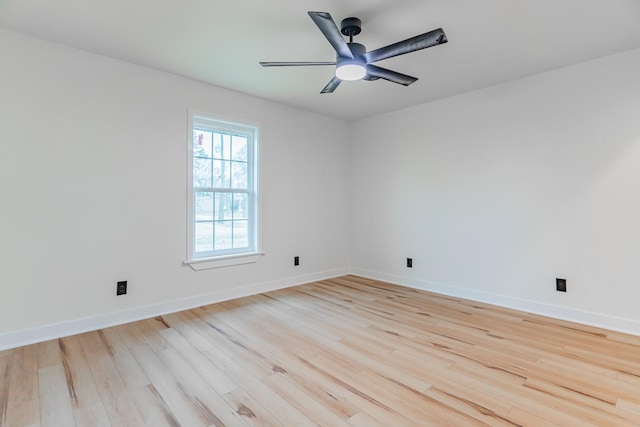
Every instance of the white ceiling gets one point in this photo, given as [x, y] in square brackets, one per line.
[221, 42]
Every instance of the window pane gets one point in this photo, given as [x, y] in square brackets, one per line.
[226, 147]
[240, 234]
[240, 206]
[222, 146]
[204, 237]
[221, 174]
[201, 143]
[239, 175]
[204, 207]
[223, 235]
[239, 148]
[201, 172]
[223, 206]
[217, 145]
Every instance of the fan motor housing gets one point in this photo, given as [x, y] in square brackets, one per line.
[357, 49]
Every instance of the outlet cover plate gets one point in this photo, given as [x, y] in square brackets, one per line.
[121, 288]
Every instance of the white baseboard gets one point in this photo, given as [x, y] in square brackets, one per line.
[557, 312]
[77, 326]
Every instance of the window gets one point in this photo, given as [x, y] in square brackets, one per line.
[222, 192]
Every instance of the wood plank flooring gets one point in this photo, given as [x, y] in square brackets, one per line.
[343, 352]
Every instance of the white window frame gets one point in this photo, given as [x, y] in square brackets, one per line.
[229, 257]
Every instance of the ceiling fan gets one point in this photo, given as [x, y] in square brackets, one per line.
[353, 62]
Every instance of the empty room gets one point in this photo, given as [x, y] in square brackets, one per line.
[339, 213]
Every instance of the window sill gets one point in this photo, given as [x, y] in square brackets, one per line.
[224, 261]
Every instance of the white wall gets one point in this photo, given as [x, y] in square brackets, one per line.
[497, 192]
[493, 193]
[93, 190]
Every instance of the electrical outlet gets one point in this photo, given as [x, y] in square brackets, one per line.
[296, 260]
[561, 285]
[409, 262]
[121, 288]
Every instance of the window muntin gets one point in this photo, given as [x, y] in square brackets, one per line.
[223, 188]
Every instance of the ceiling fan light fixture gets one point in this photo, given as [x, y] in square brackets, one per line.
[353, 61]
[350, 70]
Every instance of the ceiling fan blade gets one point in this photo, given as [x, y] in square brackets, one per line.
[325, 22]
[374, 72]
[423, 41]
[293, 64]
[332, 85]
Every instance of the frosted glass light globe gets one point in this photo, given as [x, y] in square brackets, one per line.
[350, 70]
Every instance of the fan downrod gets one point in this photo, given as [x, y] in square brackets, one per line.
[350, 27]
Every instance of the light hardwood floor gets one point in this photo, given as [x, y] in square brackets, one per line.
[342, 352]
